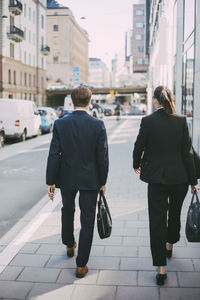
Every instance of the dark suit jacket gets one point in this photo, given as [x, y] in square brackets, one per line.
[163, 150]
[78, 154]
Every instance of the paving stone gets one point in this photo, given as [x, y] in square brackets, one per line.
[143, 232]
[186, 252]
[61, 262]
[50, 291]
[180, 264]
[137, 293]
[137, 224]
[117, 278]
[68, 276]
[32, 260]
[148, 278]
[107, 263]
[53, 239]
[84, 292]
[13, 289]
[189, 279]
[136, 263]
[30, 248]
[113, 240]
[52, 249]
[127, 251]
[34, 274]
[179, 293]
[10, 273]
[97, 251]
[130, 231]
[136, 241]
[196, 263]
[144, 252]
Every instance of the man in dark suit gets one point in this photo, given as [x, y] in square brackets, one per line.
[78, 157]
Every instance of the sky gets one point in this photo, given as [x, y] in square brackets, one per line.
[106, 23]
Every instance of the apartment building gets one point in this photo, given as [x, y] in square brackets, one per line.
[69, 46]
[99, 75]
[23, 50]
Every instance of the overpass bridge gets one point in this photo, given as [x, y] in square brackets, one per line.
[55, 97]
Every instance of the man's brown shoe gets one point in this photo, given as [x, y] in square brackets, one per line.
[70, 251]
[81, 271]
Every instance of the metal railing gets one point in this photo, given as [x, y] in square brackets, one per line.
[16, 3]
[45, 48]
[15, 30]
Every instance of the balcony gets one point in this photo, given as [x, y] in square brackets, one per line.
[15, 34]
[45, 50]
[15, 7]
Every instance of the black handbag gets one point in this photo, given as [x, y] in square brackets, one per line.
[192, 228]
[104, 220]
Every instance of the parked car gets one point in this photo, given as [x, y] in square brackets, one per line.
[108, 111]
[2, 135]
[46, 120]
[134, 110]
[20, 118]
[51, 111]
[96, 110]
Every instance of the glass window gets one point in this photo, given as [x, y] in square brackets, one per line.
[141, 49]
[12, 50]
[29, 59]
[33, 17]
[25, 57]
[55, 40]
[42, 21]
[139, 25]
[29, 79]
[140, 61]
[29, 13]
[24, 33]
[139, 12]
[55, 27]
[24, 10]
[189, 17]
[25, 80]
[9, 76]
[139, 37]
[14, 77]
[29, 36]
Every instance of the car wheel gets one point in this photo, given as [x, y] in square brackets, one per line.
[2, 141]
[23, 136]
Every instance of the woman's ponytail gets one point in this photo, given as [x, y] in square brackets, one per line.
[165, 98]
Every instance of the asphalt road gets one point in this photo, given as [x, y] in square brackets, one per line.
[22, 176]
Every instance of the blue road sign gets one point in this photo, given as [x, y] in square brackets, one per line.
[76, 76]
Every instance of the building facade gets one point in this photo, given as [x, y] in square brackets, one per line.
[23, 49]
[69, 46]
[174, 51]
[99, 75]
[138, 38]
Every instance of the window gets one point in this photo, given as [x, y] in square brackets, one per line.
[56, 56]
[42, 82]
[29, 14]
[20, 78]
[139, 25]
[24, 33]
[33, 38]
[24, 10]
[55, 27]
[14, 77]
[141, 49]
[55, 13]
[29, 59]
[25, 57]
[42, 21]
[29, 36]
[29, 79]
[42, 41]
[25, 79]
[33, 17]
[140, 61]
[139, 12]
[42, 63]
[34, 60]
[139, 37]
[34, 80]
[12, 52]
[9, 76]
[55, 40]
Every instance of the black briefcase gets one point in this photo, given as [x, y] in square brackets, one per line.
[192, 228]
[104, 220]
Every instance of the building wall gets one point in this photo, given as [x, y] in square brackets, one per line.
[27, 56]
[139, 56]
[99, 75]
[69, 43]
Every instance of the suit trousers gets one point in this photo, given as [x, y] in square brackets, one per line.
[164, 203]
[87, 204]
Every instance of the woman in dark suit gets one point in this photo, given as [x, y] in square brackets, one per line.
[164, 158]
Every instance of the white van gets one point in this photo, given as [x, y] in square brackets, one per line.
[20, 118]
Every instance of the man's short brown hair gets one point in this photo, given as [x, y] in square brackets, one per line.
[81, 96]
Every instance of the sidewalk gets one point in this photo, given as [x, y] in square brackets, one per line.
[120, 268]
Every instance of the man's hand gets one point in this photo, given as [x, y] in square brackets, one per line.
[103, 188]
[137, 171]
[195, 187]
[51, 191]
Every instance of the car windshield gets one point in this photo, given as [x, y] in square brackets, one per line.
[42, 112]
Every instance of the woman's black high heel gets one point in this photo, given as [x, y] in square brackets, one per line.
[160, 278]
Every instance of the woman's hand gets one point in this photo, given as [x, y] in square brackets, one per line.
[195, 188]
[137, 171]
